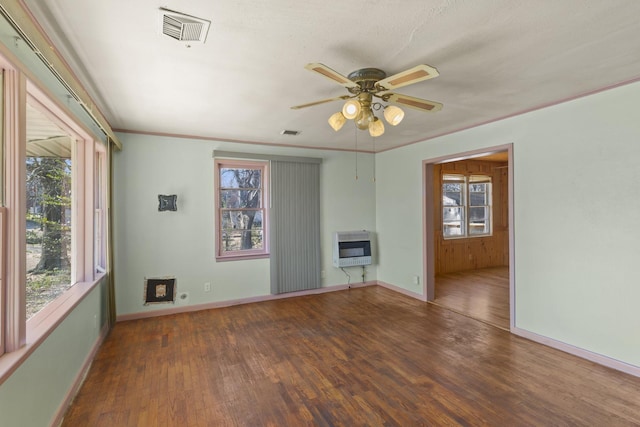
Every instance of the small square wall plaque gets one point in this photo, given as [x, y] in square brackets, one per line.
[167, 203]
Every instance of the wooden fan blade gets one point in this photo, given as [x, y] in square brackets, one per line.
[331, 74]
[411, 102]
[408, 77]
[311, 104]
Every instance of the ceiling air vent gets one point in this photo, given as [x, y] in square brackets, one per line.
[290, 132]
[184, 27]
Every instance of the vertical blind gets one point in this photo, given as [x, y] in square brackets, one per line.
[295, 226]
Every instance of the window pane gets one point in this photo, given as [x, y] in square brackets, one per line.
[479, 220]
[451, 214]
[453, 205]
[240, 199]
[447, 186]
[452, 221]
[452, 228]
[240, 178]
[478, 199]
[241, 219]
[451, 194]
[479, 227]
[451, 199]
[480, 188]
[48, 221]
[237, 240]
[478, 213]
[478, 194]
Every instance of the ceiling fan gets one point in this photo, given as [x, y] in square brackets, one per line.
[365, 84]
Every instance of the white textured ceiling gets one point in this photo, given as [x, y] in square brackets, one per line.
[496, 58]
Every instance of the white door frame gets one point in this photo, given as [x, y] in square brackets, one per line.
[428, 210]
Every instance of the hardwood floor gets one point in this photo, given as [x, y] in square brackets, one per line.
[481, 294]
[361, 357]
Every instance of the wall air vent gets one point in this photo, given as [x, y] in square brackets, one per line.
[184, 27]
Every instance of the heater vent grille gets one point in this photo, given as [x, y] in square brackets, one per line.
[184, 27]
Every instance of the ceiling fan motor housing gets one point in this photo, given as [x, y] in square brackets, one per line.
[367, 77]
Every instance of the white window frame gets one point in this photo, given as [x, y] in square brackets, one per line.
[100, 209]
[466, 180]
[19, 337]
[221, 254]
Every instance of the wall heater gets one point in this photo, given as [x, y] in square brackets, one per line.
[351, 248]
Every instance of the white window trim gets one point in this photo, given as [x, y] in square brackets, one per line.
[100, 209]
[18, 337]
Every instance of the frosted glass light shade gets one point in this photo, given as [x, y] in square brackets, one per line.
[337, 120]
[376, 127]
[351, 109]
[364, 119]
[393, 114]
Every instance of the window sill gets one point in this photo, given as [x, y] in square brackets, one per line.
[43, 323]
[477, 236]
[225, 258]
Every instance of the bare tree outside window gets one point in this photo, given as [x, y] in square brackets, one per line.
[241, 208]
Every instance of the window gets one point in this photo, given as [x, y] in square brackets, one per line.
[479, 205]
[466, 205]
[241, 209]
[50, 224]
[47, 231]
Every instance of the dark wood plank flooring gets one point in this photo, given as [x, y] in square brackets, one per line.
[482, 294]
[361, 357]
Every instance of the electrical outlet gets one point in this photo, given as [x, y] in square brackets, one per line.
[322, 274]
[416, 280]
[207, 287]
[95, 321]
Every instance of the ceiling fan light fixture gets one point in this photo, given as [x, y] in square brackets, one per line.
[376, 127]
[351, 109]
[337, 120]
[393, 115]
[365, 84]
[364, 119]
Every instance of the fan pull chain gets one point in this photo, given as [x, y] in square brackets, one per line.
[356, 135]
[374, 158]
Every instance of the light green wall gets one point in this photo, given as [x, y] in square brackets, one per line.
[32, 396]
[149, 243]
[576, 185]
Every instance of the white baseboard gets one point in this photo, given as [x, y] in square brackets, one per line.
[403, 291]
[577, 351]
[229, 303]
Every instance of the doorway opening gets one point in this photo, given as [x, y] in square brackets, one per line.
[469, 234]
